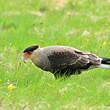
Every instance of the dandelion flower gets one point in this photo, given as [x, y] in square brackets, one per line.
[104, 43]
[10, 87]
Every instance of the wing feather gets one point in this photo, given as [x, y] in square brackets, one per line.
[61, 57]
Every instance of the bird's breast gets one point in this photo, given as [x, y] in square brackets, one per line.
[40, 60]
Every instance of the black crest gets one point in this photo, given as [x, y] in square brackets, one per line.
[31, 48]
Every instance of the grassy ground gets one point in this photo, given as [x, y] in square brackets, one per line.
[84, 24]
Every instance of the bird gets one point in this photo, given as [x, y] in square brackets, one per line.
[63, 60]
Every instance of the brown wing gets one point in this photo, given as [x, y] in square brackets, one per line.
[93, 59]
[61, 57]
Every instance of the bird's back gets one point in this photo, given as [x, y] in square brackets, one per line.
[60, 56]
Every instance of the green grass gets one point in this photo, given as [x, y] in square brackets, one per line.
[83, 24]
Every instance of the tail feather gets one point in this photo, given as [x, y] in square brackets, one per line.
[105, 63]
[104, 66]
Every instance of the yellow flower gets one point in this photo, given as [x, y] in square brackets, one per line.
[10, 87]
[104, 43]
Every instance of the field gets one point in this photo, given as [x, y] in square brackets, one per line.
[83, 24]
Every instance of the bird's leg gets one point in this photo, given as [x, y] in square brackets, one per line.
[56, 74]
[78, 72]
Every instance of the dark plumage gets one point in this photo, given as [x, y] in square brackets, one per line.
[64, 60]
[31, 49]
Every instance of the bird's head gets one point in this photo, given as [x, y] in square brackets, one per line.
[28, 52]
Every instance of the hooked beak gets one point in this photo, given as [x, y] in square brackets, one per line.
[24, 59]
[25, 56]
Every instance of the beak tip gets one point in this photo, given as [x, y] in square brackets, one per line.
[23, 58]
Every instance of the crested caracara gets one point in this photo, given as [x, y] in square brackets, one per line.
[64, 60]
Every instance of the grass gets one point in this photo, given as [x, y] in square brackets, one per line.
[82, 24]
